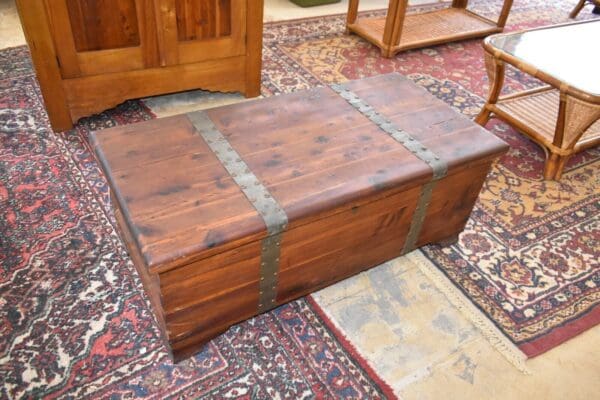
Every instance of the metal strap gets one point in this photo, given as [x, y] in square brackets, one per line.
[418, 217]
[273, 215]
[439, 166]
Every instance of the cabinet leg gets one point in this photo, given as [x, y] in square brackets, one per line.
[41, 46]
[254, 44]
[252, 85]
[459, 3]
[61, 121]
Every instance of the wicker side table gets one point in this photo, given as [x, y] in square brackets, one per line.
[398, 31]
[562, 117]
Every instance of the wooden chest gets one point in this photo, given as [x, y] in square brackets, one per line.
[232, 211]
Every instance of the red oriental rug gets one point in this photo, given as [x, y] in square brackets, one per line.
[529, 258]
[76, 324]
[74, 320]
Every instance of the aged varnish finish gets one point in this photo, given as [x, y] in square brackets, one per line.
[232, 211]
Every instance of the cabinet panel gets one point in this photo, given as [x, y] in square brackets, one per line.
[102, 36]
[203, 20]
[103, 24]
[197, 30]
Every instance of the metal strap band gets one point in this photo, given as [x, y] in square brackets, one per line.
[439, 166]
[273, 215]
[418, 217]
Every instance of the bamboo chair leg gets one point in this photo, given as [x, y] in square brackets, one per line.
[495, 72]
[504, 13]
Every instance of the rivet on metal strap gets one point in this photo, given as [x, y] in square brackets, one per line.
[273, 215]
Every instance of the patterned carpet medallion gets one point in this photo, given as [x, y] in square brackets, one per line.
[75, 323]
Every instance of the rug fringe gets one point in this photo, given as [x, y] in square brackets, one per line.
[492, 334]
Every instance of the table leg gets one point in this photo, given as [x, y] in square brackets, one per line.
[555, 164]
[577, 9]
[398, 26]
[575, 116]
[394, 23]
[352, 14]
[495, 71]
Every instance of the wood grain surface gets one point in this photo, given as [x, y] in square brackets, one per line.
[104, 24]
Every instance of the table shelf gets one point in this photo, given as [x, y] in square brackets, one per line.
[399, 31]
[535, 114]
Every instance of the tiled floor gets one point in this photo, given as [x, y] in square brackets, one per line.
[427, 350]
[11, 33]
[409, 331]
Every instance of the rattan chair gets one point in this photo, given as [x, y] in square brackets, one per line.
[580, 6]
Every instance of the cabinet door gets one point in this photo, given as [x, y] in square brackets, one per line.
[101, 36]
[197, 30]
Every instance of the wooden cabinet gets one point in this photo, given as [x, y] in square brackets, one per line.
[91, 55]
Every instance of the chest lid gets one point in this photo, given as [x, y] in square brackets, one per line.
[185, 183]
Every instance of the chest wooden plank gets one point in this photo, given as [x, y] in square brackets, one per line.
[351, 194]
